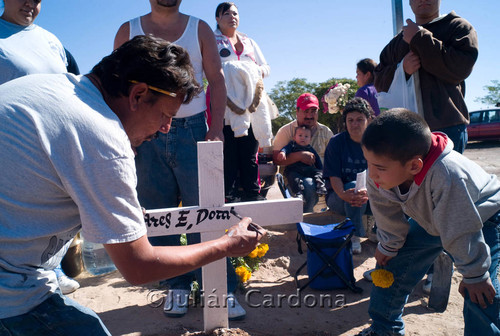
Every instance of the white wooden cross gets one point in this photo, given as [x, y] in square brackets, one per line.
[211, 218]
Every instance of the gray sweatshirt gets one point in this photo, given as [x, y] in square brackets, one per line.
[451, 197]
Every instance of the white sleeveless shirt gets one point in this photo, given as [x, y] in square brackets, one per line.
[189, 41]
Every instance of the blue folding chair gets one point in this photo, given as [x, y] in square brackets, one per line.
[329, 256]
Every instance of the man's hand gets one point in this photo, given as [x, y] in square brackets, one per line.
[411, 63]
[307, 158]
[243, 238]
[410, 30]
[478, 292]
[213, 135]
[381, 258]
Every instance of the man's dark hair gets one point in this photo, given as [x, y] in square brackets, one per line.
[358, 104]
[398, 134]
[149, 60]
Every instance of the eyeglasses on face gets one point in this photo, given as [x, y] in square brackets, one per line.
[154, 88]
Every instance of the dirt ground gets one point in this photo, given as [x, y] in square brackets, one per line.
[137, 310]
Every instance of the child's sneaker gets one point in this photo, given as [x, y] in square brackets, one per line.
[368, 275]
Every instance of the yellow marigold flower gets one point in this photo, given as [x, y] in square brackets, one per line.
[263, 247]
[243, 273]
[262, 250]
[240, 270]
[247, 276]
[382, 278]
[254, 253]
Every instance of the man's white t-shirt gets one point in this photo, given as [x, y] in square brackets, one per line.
[67, 164]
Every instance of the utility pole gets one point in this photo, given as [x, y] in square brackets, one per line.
[397, 16]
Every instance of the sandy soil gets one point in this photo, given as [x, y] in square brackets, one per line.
[137, 310]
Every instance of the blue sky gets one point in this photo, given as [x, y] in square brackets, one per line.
[312, 39]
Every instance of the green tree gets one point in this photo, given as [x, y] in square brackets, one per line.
[285, 94]
[493, 96]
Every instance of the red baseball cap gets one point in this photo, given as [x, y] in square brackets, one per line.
[307, 100]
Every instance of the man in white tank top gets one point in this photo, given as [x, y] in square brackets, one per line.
[167, 169]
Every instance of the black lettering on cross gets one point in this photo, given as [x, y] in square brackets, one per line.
[150, 220]
[182, 220]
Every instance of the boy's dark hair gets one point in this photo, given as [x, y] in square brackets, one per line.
[358, 104]
[222, 8]
[303, 127]
[149, 60]
[398, 134]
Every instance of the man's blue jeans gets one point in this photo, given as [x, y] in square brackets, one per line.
[409, 267]
[58, 315]
[339, 206]
[480, 321]
[167, 173]
[167, 167]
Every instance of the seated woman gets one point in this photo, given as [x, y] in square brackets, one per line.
[343, 160]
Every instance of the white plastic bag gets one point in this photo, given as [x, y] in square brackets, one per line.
[402, 93]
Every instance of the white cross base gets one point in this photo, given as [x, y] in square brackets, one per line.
[211, 218]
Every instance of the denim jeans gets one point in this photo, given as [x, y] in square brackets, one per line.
[410, 265]
[457, 134]
[480, 321]
[167, 167]
[167, 173]
[295, 174]
[309, 193]
[339, 206]
[58, 315]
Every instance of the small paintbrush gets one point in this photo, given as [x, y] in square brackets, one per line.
[252, 224]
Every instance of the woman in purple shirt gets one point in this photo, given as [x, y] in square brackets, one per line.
[364, 77]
